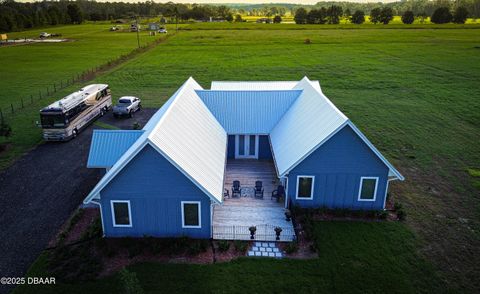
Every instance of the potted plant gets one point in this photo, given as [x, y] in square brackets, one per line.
[278, 230]
[288, 215]
[252, 230]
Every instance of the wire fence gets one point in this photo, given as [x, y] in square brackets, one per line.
[7, 112]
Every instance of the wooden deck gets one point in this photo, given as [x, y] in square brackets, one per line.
[232, 219]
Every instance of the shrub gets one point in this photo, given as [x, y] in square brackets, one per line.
[382, 214]
[223, 245]
[240, 246]
[408, 17]
[307, 41]
[401, 214]
[460, 15]
[197, 246]
[238, 18]
[131, 284]
[441, 15]
[94, 230]
[358, 17]
[277, 19]
[291, 247]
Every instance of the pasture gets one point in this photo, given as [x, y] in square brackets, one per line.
[412, 90]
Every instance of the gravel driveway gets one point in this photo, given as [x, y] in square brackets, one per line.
[41, 190]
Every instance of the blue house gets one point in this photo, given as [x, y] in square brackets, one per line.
[174, 177]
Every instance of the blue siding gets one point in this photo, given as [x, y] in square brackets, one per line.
[338, 166]
[231, 147]
[155, 189]
[264, 150]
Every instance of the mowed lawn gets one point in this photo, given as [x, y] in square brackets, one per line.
[414, 93]
[354, 257]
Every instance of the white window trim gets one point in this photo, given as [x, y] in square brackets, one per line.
[312, 190]
[112, 202]
[374, 192]
[199, 215]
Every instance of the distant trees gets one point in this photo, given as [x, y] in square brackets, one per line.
[375, 15]
[238, 18]
[277, 19]
[358, 17]
[300, 16]
[408, 17]
[75, 14]
[460, 15]
[386, 15]
[441, 15]
[317, 16]
[347, 14]
[334, 13]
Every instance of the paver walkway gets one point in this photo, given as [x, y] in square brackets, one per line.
[265, 249]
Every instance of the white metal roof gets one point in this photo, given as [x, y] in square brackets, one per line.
[186, 134]
[308, 122]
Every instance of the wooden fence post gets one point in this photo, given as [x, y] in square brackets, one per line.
[11, 104]
[31, 99]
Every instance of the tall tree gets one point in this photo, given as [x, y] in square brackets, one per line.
[408, 17]
[441, 15]
[300, 16]
[460, 15]
[375, 15]
[386, 15]
[334, 13]
[358, 17]
[75, 14]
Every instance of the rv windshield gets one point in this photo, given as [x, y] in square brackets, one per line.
[52, 120]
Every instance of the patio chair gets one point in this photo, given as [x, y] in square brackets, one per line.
[258, 189]
[278, 193]
[236, 189]
[226, 194]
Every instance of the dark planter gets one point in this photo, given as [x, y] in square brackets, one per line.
[277, 232]
[288, 216]
[252, 232]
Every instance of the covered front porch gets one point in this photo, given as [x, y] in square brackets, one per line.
[232, 219]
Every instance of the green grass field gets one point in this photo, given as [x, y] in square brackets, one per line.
[353, 258]
[413, 91]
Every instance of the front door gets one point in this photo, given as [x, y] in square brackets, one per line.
[246, 146]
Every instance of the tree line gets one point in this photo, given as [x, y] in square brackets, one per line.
[18, 16]
[334, 13]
